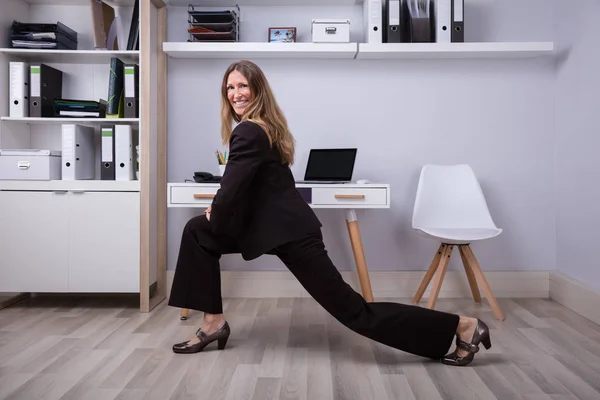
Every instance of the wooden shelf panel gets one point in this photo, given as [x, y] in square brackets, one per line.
[76, 186]
[454, 50]
[72, 56]
[259, 50]
[82, 121]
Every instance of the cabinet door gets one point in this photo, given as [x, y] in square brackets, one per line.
[104, 236]
[34, 241]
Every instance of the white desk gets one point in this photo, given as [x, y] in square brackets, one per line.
[347, 196]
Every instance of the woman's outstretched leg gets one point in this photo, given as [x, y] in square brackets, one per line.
[413, 329]
[197, 281]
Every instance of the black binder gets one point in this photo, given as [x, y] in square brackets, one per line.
[45, 87]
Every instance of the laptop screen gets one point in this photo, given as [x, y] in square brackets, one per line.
[330, 165]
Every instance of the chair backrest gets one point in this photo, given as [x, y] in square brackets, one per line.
[450, 197]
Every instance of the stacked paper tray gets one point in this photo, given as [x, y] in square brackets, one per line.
[213, 26]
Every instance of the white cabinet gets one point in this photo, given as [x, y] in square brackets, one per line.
[69, 241]
[34, 231]
[104, 237]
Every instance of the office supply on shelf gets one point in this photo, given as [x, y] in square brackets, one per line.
[18, 91]
[330, 30]
[124, 165]
[443, 21]
[329, 166]
[56, 36]
[373, 20]
[458, 23]
[78, 153]
[79, 108]
[107, 166]
[213, 26]
[46, 87]
[103, 21]
[133, 42]
[393, 26]
[421, 25]
[115, 102]
[132, 91]
[30, 164]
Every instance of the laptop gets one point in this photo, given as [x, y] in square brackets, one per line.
[329, 166]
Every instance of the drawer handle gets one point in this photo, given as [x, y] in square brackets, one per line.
[349, 196]
[330, 30]
[204, 195]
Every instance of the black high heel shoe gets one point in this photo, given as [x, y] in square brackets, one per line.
[221, 336]
[481, 335]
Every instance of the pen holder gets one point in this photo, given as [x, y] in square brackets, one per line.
[222, 169]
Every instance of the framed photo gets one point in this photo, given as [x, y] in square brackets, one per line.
[284, 35]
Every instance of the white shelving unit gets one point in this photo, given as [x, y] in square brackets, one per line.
[72, 186]
[99, 236]
[383, 51]
[60, 121]
[259, 50]
[72, 56]
[373, 51]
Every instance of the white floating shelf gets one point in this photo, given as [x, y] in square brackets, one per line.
[83, 121]
[72, 56]
[240, 50]
[74, 186]
[221, 3]
[118, 3]
[454, 50]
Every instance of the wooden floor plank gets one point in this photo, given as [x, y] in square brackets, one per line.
[282, 349]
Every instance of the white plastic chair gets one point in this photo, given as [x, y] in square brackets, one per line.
[450, 208]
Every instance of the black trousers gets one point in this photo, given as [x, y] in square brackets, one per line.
[410, 328]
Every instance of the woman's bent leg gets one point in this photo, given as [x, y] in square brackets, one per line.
[197, 280]
[413, 329]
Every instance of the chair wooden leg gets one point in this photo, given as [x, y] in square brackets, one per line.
[483, 282]
[439, 276]
[184, 313]
[429, 274]
[470, 275]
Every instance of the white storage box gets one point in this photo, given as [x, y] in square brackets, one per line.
[39, 165]
[330, 30]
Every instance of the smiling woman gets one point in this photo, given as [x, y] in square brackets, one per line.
[238, 92]
[247, 96]
[258, 210]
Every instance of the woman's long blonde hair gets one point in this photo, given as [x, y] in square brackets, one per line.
[263, 110]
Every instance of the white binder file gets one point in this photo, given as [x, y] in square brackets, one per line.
[78, 153]
[19, 89]
[373, 20]
[124, 165]
[443, 25]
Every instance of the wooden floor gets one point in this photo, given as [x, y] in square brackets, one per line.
[103, 348]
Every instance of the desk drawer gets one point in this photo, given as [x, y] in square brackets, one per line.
[349, 196]
[193, 195]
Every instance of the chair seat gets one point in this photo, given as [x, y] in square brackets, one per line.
[460, 235]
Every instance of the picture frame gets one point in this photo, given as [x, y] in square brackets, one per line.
[282, 34]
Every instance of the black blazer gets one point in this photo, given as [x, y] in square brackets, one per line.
[258, 203]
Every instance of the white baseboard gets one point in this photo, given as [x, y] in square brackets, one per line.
[400, 284]
[575, 295]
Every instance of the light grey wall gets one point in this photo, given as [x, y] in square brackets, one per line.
[496, 115]
[578, 143]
